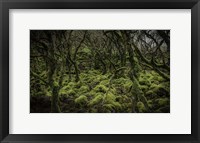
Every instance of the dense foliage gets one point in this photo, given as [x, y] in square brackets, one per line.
[100, 71]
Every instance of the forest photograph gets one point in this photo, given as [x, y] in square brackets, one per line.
[100, 71]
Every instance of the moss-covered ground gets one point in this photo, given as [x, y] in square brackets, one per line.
[100, 93]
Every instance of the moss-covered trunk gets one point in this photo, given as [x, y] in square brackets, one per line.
[137, 93]
[55, 100]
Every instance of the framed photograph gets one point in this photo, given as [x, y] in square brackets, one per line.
[99, 71]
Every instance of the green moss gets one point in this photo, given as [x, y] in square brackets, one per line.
[120, 81]
[160, 79]
[149, 78]
[83, 76]
[84, 89]
[149, 75]
[63, 93]
[119, 99]
[86, 51]
[92, 93]
[65, 80]
[121, 85]
[144, 81]
[100, 88]
[93, 110]
[160, 89]
[136, 60]
[40, 93]
[154, 82]
[112, 107]
[55, 84]
[150, 93]
[109, 107]
[98, 98]
[81, 100]
[165, 109]
[99, 78]
[78, 84]
[141, 107]
[93, 79]
[150, 103]
[71, 84]
[110, 98]
[70, 92]
[117, 105]
[136, 88]
[154, 73]
[128, 85]
[144, 88]
[162, 101]
[157, 78]
[105, 82]
[94, 72]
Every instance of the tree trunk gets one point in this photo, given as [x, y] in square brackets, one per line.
[76, 71]
[55, 100]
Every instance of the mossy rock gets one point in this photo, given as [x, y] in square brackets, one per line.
[128, 85]
[127, 105]
[105, 82]
[93, 110]
[144, 88]
[112, 107]
[71, 84]
[70, 92]
[154, 73]
[165, 109]
[143, 81]
[150, 103]
[86, 51]
[154, 82]
[78, 84]
[109, 97]
[158, 79]
[92, 93]
[100, 78]
[40, 93]
[94, 72]
[67, 87]
[119, 99]
[151, 94]
[120, 90]
[63, 92]
[83, 75]
[121, 81]
[117, 106]
[98, 98]
[100, 88]
[83, 89]
[149, 75]
[81, 100]
[65, 81]
[108, 107]
[160, 90]
[141, 108]
[55, 84]
[162, 101]
[43, 74]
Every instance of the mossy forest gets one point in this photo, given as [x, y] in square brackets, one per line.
[99, 71]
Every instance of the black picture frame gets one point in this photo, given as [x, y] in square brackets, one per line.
[5, 5]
